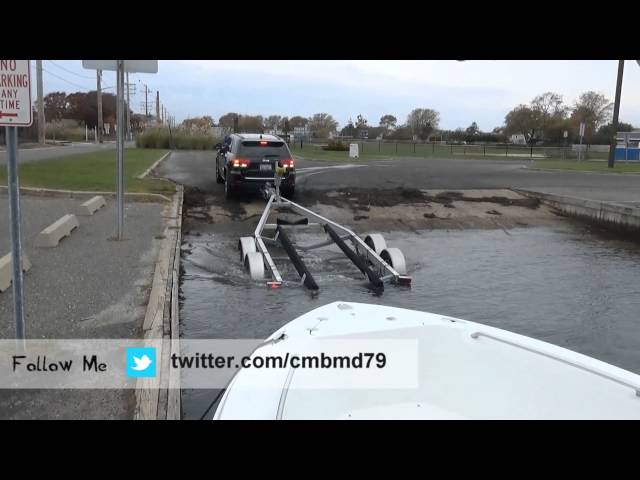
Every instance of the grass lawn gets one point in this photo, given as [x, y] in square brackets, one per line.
[587, 166]
[314, 152]
[93, 172]
[373, 151]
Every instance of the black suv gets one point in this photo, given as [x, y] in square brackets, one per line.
[251, 159]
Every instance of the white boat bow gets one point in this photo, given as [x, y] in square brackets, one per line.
[465, 370]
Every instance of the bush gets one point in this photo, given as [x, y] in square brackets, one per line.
[65, 129]
[336, 145]
[178, 139]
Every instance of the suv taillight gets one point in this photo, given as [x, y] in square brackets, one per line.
[287, 163]
[240, 163]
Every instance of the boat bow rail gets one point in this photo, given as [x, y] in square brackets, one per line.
[559, 358]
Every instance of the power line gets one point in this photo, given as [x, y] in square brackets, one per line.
[69, 71]
[65, 80]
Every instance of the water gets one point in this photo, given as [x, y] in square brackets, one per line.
[566, 285]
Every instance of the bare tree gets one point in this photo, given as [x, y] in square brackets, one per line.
[422, 121]
[551, 114]
[227, 119]
[272, 122]
[388, 122]
[361, 122]
[321, 124]
[594, 109]
[549, 104]
[523, 120]
[298, 121]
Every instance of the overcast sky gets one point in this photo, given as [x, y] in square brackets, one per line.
[463, 92]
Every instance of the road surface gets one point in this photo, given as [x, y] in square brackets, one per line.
[197, 169]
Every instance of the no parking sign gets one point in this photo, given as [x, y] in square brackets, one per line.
[15, 111]
[15, 93]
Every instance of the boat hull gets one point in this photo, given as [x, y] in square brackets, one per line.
[465, 370]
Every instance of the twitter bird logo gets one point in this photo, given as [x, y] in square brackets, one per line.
[141, 362]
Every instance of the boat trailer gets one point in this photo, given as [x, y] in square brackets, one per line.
[377, 262]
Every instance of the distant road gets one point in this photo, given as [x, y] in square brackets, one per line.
[39, 153]
[196, 169]
[460, 174]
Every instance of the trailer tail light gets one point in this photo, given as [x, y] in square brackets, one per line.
[239, 163]
[287, 163]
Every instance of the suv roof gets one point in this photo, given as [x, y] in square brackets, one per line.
[257, 136]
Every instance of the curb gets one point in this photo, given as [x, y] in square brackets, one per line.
[603, 212]
[536, 169]
[155, 164]
[159, 398]
[50, 192]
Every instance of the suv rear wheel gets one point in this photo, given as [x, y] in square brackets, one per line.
[219, 178]
[229, 192]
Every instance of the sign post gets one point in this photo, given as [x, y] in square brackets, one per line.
[15, 111]
[582, 126]
[120, 67]
[120, 151]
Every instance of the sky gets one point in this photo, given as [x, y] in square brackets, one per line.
[463, 92]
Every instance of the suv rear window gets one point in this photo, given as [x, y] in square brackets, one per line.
[260, 148]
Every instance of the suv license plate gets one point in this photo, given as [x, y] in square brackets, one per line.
[265, 168]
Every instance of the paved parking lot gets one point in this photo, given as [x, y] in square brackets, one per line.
[89, 286]
[75, 284]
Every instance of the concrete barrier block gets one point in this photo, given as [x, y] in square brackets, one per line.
[51, 236]
[6, 270]
[91, 206]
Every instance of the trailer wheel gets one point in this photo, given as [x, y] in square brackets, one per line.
[375, 242]
[246, 245]
[395, 258]
[254, 263]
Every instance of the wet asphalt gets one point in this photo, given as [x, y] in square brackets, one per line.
[197, 169]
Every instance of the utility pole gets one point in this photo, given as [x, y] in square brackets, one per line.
[120, 151]
[158, 106]
[128, 111]
[616, 111]
[146, 103]
[99, 99]
[41, 119]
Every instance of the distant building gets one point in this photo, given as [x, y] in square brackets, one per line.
[518, 139]
[631, 139]
[301, 133]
